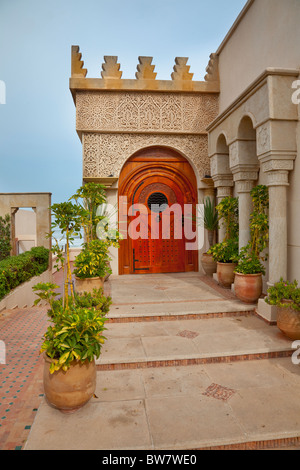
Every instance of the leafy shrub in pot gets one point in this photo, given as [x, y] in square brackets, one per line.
[250, 268]
[70, 346]
[285, 296]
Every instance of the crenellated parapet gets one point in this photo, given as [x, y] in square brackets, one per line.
[111, 68]
[77, 70]
[116, 117]
[212, 69]
[145, 69]
[145, 77]
[181, 70]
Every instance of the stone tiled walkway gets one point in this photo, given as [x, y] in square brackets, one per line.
[180, 349]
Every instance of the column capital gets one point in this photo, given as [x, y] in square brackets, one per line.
[277, 164]
[244, 177]
[224, 191]
[277, 170]
[277, 178]
[244, 186]
[223, 181]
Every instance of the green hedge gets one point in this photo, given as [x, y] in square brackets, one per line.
[17, 269]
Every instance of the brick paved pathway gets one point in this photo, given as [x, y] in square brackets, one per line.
[21, 388]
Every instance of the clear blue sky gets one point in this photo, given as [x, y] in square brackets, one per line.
[39, 148]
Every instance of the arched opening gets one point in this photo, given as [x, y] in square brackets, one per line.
[246, 129]
[157, 186]
[222, 146]
[247, 142]
[23, 229]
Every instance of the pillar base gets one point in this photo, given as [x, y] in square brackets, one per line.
[266, 311]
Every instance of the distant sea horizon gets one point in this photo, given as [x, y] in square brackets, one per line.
[57, 235]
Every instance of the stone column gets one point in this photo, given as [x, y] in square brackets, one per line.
[244, 166]
[277, 173]
[222, 192]
[245, 179]
[14, 210]
[245, 209]
[209, 192]
[277, 183]
[223, 182]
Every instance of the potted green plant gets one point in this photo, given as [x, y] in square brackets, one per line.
[107, 229]
[250, 268]
[66, 219]
[70, 346]
[88, 198]
[226, 252]
[210, 220]
[285, 296]
[226, 255]
[91, 266]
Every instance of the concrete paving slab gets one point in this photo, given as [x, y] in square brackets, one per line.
[160, 290]
[190, 339]
[186, 422]
[169, 408]
[124, 349]
[180, 407]
[98, 426]
[270, 409]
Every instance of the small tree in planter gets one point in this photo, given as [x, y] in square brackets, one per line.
[210, 221]
[70, 346]
[226, 252]
[285, 296]
[88, 198]
[66, 219]
[75, 337]
[226, 256]
[228, 210]
[92, 265]
[250, 268]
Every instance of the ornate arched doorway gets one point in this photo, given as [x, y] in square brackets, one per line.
[157, 187]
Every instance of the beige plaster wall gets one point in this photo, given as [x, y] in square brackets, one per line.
[293, 221]
[23, 295]
[25, 229]
[41, 202]
[268, 35]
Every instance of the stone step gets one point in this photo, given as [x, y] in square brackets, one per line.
[236, 387]
[144, 344]
[212, 406]
[158, 311]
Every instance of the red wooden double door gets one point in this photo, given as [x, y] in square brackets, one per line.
[157, 193]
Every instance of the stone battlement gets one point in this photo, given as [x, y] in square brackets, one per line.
[111, 76]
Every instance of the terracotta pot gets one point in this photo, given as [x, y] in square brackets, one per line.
[107, 274]
[288, 321]
[208, 264]
[248, 287]
[88, 284]
[70, 390]
[225, 273]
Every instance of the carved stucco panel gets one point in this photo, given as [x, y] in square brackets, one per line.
[105, 154]
[145, 112]
[263, 139]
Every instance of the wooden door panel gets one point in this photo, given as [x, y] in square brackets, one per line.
[162, 177]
